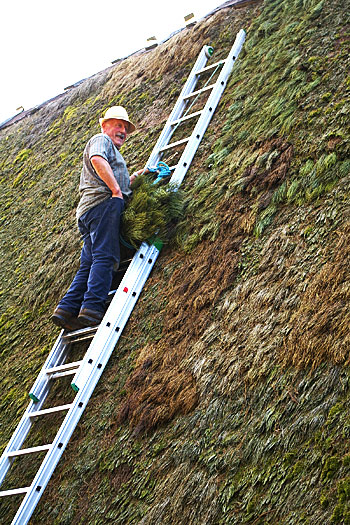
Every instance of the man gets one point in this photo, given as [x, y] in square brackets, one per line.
[104, 182]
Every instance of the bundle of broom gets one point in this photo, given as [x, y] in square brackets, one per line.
[152, 211]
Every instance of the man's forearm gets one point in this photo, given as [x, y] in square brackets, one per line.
[105, 172]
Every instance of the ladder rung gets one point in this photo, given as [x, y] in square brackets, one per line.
[12, 492]
[24, 451]
[86, 332]
[83, 337]
[50, 410]
[182, 119]
[194, 93]
[183, 141]
[208, 68]
[64, 374]
[62, 368]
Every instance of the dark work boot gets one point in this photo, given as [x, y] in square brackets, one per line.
[89, 317]
[66, 320]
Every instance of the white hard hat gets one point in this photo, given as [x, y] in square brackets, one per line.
[118, 112]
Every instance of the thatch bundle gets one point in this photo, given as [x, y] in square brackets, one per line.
[151, 211]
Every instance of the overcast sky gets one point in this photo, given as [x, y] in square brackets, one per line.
[47, 46]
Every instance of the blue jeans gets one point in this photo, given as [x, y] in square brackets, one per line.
[99, 228]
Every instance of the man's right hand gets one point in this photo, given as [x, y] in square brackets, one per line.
[118, 195]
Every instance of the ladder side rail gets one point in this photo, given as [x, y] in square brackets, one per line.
[179, 107]
[233, 54]
[117, 318]
[56, 357]
[207, 114]
[120, 298]
[62, 438]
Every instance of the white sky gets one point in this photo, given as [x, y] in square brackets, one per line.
[46, 46]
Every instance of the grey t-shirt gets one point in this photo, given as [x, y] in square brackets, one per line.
[92, 189]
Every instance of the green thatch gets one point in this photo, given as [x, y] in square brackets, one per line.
[151, 211]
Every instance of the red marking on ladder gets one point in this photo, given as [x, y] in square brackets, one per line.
[126, 289]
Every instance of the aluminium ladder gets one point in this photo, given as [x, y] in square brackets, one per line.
[105, 337]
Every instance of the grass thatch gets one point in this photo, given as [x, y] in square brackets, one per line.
[151, 211]
[227, 398]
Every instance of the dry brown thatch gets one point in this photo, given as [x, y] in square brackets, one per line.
[320, 325]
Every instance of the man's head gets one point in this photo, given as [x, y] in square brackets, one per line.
[116, 125]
